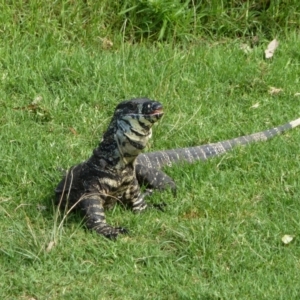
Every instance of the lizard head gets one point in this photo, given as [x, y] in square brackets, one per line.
[143, 109]
[134, 119]
[138, 115]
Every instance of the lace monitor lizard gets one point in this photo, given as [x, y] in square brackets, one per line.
[117, 168]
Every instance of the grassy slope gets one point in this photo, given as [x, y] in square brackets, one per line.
[221, 236]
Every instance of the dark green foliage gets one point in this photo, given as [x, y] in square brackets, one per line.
[97, 22]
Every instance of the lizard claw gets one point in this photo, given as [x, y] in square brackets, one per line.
[115, 232]
[122, 230]
[159, 206]
[111, 232]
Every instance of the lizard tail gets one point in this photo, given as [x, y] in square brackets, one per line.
[161, 158]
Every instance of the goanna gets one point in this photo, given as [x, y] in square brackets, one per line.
[117, 168]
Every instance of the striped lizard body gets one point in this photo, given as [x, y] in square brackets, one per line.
[108, 176]
[117, 168]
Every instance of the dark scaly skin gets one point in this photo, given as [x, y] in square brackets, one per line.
[149, 164]
[117, 169]
[108, 176]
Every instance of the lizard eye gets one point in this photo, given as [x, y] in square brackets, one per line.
[132, 106]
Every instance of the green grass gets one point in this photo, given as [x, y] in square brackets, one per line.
[99, 23]
[220, 238]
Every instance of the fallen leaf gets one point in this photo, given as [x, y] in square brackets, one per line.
[246, 48]
[41, 207]
[50, 246]
[297, 94]
[106, 43]
[271, 48]
[37, 99]
[256, 105]
[73, 130]
[286, 239]
[274, 91]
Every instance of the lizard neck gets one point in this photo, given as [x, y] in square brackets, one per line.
[122, 143]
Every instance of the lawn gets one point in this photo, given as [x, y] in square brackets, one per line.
[220, 238]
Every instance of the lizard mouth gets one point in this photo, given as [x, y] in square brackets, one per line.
[158, 111]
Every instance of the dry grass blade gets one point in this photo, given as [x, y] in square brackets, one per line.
[256, 105]
[274, 91]
[50, 246]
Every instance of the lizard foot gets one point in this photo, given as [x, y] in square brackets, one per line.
[159, 206]
[110, 232]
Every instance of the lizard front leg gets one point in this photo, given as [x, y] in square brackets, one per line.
[93, 209]
[154, 178]
[137, 199]
[138, 203]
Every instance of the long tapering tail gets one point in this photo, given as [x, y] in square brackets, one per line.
[168, 157]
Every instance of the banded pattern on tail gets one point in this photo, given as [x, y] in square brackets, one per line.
[117, 168]
[158, 159]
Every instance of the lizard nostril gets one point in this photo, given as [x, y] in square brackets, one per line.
[157, 106]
